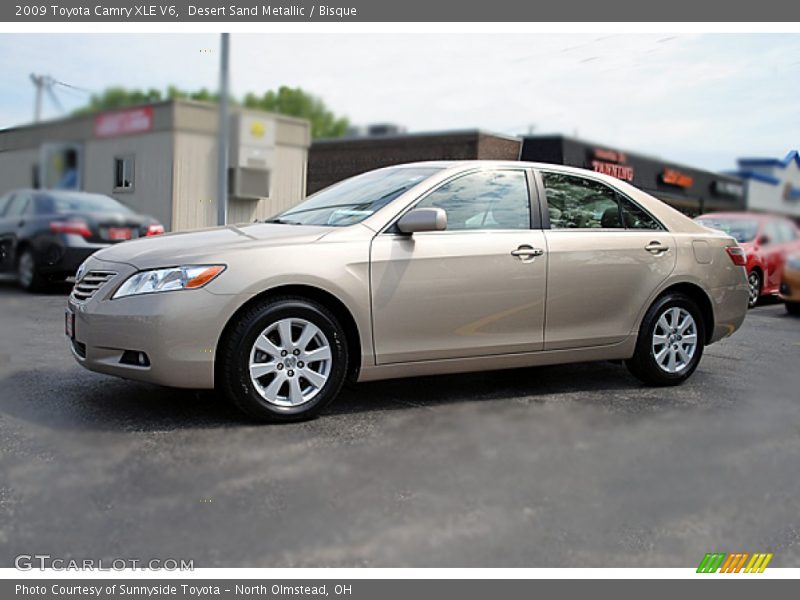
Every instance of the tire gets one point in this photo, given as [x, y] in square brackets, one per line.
[756, 284]
[666, 316]
[283, 387]
[793, 308]
[28, 276]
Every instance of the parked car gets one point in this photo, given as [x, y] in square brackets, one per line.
[411, 270]
[790, 284]
[46, 234]
[766, 239]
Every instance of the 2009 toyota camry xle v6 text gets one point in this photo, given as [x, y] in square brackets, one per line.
[413, 270]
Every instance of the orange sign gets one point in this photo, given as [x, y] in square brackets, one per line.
[674, 177]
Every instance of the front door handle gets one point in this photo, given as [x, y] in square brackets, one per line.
[527, 252]
[656, 248]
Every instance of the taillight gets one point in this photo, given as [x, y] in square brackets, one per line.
[72, 226]
[737, 255]
[155, 229]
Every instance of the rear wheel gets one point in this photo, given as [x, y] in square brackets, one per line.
[670, 342]
[754, 280]
[793, 308]
[28, 275]
[284, 360]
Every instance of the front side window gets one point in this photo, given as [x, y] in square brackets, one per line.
[483, 200]
[354, 199]
[17, 206]
[577, 203]
[4, 200]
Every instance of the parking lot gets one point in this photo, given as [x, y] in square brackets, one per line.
[558, 466]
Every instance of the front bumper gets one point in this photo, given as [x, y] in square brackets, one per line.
[178, 331]
[790, 286]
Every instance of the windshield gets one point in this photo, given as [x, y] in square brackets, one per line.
[65, 202]
[742, 230]
[354, 199]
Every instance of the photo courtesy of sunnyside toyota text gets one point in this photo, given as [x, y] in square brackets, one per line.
[367, 299]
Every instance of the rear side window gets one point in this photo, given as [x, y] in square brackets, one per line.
[635, 217]
[483, 200]
[574, 202]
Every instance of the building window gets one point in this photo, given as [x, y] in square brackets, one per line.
[123, 174]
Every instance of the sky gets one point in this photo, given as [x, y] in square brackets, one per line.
[700, 100]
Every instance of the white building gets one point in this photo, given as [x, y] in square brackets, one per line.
[773, 185]
[160, 159]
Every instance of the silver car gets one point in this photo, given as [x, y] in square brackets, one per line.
[417, 269]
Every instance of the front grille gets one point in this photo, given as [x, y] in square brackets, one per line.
[88, 285]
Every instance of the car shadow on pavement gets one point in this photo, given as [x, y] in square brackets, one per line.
[77, 400]
[9, 287]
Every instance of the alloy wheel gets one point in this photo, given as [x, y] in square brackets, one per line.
[674, 339]
[290, 362]
[25, 269]
[755, 287]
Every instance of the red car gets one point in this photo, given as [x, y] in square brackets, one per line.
[767, 240]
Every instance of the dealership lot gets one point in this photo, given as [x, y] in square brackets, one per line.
[559, 466]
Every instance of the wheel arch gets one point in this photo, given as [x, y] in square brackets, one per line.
[319, 295]
[700, 297]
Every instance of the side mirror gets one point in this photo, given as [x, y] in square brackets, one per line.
[423, 219]
[764, 240]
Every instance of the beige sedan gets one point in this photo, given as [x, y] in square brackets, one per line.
[418, 269]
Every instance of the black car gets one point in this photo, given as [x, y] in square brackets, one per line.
[46, 234]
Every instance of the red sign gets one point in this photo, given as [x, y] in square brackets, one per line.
[674, 177]
[609, 155]
[123, 122]
[623, 172]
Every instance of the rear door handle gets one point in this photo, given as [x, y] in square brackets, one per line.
[656, 248]
[528, 252]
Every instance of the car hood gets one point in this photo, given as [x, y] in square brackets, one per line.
[206, 245]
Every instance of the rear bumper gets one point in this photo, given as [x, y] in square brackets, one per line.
[178, 332]
[730, 308]
[64, 254]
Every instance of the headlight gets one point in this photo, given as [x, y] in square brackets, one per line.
[167, 280]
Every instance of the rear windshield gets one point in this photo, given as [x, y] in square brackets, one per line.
[354, 199]
[66, 202]
[741, 229]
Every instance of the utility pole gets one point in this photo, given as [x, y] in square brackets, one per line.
[39, 81]
[222, 142]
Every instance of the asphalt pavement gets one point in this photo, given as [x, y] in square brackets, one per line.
[574, 465]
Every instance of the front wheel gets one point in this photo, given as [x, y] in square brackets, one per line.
[284, 359]
[28, 275]
[670, 342]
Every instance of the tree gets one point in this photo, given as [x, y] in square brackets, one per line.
[286, 101]
[298, 103]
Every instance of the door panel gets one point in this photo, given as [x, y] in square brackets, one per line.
[457, 294]
[598, 282]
